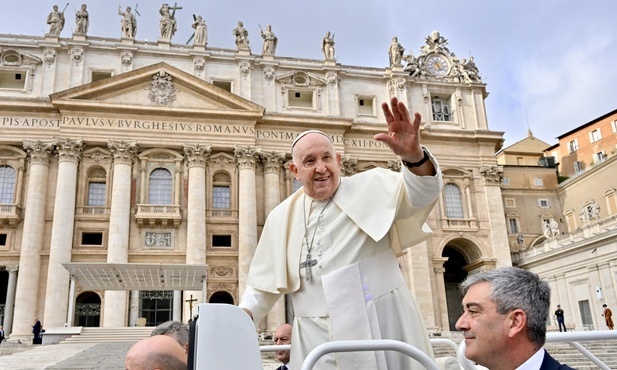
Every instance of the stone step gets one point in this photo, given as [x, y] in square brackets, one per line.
[107, 335]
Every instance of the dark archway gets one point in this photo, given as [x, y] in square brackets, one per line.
[221, 297]
[4, 284]
[454, 274]
[88, 310]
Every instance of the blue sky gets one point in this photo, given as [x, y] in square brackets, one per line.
[548, 64]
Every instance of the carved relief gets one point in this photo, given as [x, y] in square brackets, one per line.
[127, 58]
[49, 56]
[348, 165]
[222, 271]
[77, 54]
[269, 73]
[394, 165]
[245, 68]
[199, 64]
[162, 89]
[157, 240]
[332, 78]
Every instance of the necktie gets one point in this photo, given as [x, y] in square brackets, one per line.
[282, 367]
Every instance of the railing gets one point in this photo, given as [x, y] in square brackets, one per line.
[228, 213]
[460, 223]
[165, 209]
[8, 210]
[93, 210]
[571, 338]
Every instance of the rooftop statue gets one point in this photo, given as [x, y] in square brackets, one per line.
[242, 37]
[395, 52]
[81, 20]
[55, 20]
[128, 22]
[201, 31]
[270, 40]
[327, 46]
[168, 24]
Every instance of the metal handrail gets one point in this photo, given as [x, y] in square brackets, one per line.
[367, 345]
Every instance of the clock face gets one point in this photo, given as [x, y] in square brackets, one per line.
[437, 65]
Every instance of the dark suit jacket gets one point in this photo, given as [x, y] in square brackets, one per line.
[550, 363]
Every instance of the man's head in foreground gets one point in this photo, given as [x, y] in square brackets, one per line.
[160, 352]
[282, 335]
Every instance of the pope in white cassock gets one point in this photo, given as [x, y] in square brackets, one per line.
[333, 246]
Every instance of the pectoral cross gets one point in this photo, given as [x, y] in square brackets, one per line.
[307, 266]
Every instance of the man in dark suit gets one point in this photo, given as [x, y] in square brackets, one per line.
[282, 335]
[505, 311]
[1, 334]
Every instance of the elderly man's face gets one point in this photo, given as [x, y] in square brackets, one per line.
[485, 330]
[282, 335]
[317, 165]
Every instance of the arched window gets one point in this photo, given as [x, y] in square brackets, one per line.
[97, 188]
[221, 194]
[8, 178]
[453, 201]
[160, 187]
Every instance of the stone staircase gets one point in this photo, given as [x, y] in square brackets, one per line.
[107, 335]
[606, 351]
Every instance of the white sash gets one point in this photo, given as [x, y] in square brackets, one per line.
[350, 293]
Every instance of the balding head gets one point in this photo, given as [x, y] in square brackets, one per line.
[159, 352]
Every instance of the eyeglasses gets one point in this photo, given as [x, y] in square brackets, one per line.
[282, 339]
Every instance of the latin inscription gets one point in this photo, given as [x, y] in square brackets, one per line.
[165, 126]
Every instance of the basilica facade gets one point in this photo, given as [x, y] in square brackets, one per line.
[135, 177]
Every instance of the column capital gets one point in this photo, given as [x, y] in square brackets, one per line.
[12, 268]
[123, 151]
[492, 174]
[246, 157]
[273, 161]
[68, 150]
[39, 151]
[394, 165]
[348, 165]
[197, 154]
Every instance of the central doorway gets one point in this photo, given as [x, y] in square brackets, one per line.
[156, 306]
[88, 310]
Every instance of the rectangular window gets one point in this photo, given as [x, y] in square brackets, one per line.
[225, 85]
[614, 126]
[510, 203]
[366, 106]
[221, 241]
[92, 239]
[2, 240]
[505, 181]
[537, 182]
[220, 197]
[573, 146]
[599, 157]
[96, 194]
[100, 75]
[441, 110]
[513, 222]
[544, 203]
[12, 80]
[578, 167]
[595, 135]
[300, 99]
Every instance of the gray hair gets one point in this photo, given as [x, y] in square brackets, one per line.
[513, 288]
[174, 329]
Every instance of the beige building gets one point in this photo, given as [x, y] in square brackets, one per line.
[135, 177]
[578, 256]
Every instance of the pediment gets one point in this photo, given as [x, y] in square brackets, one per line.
[14, 57]
[301, 79]
[156, 89]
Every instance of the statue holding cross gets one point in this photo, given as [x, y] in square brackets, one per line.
[167, 23]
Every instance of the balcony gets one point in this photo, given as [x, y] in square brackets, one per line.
[151, 215]
[92, 213]
[460, 224]
[10, 214]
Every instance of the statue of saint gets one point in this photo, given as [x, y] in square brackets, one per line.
[242, 36]
[128, 22]
[270, 41]
[395, 51]
[327, 46]
[81, 20]
[55, 20]
[201, 31]
[167, 23]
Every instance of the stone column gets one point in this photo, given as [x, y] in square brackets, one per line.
[70, 315]
[9, 307]
[69, 153]
[272, 195]
[27, 290]
[177, 306]
[196, 158]
[441, 309]
[114, 309]
[133, 307]
[497, 223]
[247, 217]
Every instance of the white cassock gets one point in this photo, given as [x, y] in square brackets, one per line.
[357, 290]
